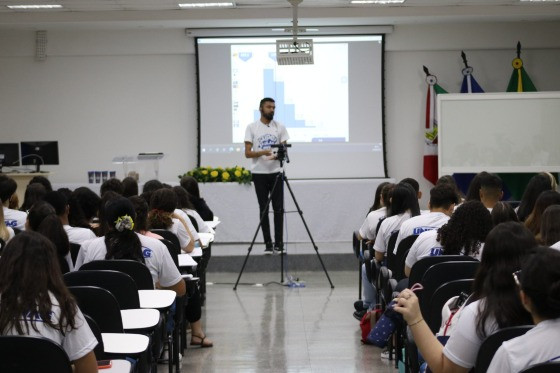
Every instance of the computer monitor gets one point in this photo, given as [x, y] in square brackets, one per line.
[39, 153]
[9, 155]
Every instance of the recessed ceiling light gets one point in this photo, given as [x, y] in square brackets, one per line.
[35, 6]
[377, 1]
[207, 5]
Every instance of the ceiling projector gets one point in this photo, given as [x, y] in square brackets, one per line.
[294, 52]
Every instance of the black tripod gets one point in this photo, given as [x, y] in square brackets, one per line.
[278, 183]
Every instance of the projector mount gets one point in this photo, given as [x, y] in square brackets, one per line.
[294, 52]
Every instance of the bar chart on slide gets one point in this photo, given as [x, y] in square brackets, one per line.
[311, 100]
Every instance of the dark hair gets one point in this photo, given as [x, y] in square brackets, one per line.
[43, 181]
[412, 182]
[130, 187]
[550, 225]
[57, 200]
[84, 206]
[29, 274]
[387, 194]
[104, 224]
[473, 193]
[152, 186]
[538, 184]
[162, 205]
[540, 280]
[506, 248]
[466, 229]
[502, 212]
[66, 192]
[449, 180]
[124, 243]
[113, 184]
[491, 183]
[545, 199]
[404, 198]
[33, 193]
[141, 208]
[191, 186]
[183, 201]
[265, 100]
[377, 198]
[443, 196]
[8, 187]
[43, 219]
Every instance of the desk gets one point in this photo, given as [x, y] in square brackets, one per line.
[118, 366]
[120, 343]
[157, 299]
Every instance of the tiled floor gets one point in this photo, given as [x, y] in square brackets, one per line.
[274, 328]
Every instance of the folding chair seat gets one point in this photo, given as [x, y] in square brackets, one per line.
[400, 257]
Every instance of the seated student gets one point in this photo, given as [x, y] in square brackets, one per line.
[443, 200]
[545, 199]
[6, 233]
[33, 193]
[31, 285]
[83, 208]
[463, 234]
[368, 230]
[130, 187]
[448, 180]
[491, 190]
[539, 183]
[76, 235]
[141, 223]
[539, 290]
[191, 186]
[184, 205]
[113, 184]
[550, 227]
[43, 181]
[473, 193]
[42, 218]
[13, 218]
[503, 212]
[493, 305]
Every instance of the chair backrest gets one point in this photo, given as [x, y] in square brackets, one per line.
[74, 250]
[121, 285]
[137, 270]
[400, 256]
[419, 268]
[194, 222]
[99, 349]
[548, 367]
[173, 251]
[23, 354]
[168, 235]
[356, 244]
[491, 344]
[101, 305]
[439, 274]
[391, 246]
[441, 296]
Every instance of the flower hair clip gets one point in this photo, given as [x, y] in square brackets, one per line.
[124, 222]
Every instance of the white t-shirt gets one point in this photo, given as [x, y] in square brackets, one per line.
[463, 345]
[15, 218]
[425, 245]
[367, 230]
[190, 225]
[538, 345]
[262, 136]
[556, 246]
[78, 234]
[76, 342]
[389, 225]
[157, 257]
[419, 224]
[203, 227]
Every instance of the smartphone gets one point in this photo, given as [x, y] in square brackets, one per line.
[104, 364]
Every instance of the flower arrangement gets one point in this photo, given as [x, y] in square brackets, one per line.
[220, 175]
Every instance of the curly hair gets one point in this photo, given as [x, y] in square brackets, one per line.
[466, 229]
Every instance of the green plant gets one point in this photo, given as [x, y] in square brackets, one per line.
[220, 175]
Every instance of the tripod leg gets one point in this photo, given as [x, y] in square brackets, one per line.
[307, 229]
[255, 236]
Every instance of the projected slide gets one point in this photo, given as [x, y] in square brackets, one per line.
[311, 100]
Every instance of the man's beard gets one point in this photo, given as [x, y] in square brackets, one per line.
[268, 116]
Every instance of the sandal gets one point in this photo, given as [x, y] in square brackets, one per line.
[201, 343]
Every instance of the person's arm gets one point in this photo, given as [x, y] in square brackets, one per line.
[250, 153]
[86, 364]
[180, 288]
[190, 245]
[407, 270]
[428, 345]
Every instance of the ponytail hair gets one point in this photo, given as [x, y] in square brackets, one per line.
[121, 240]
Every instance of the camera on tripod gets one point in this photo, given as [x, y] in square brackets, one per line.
[282, 153]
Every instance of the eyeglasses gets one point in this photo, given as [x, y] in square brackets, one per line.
[516, 275]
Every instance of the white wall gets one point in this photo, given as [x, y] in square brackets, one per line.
[108, 93]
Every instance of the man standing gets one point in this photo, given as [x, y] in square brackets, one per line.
[259, 136]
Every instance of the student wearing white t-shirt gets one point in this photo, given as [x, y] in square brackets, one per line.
[507, 247]
[12, 218]
[377, 212]
[443, 200]
[490, 190]
[6, 233]
[463, 234]
[550, 227]
[539, 282]
[265, 170]
[31, 285]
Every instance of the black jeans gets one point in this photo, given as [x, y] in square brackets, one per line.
[264, 184]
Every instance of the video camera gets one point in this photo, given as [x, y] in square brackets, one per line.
[282, 153]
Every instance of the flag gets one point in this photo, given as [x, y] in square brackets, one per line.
[469, 84]
[430, 136]
[520, 81]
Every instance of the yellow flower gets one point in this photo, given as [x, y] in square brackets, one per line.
[204, 172]
[237, 173]
[245, 172]
[225, 175]
[214, 173]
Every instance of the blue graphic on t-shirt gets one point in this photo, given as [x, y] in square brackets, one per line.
[436, 251]
[419, 230]
[146, 253]
[267, 140]
[34, 316]
[11, 223]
